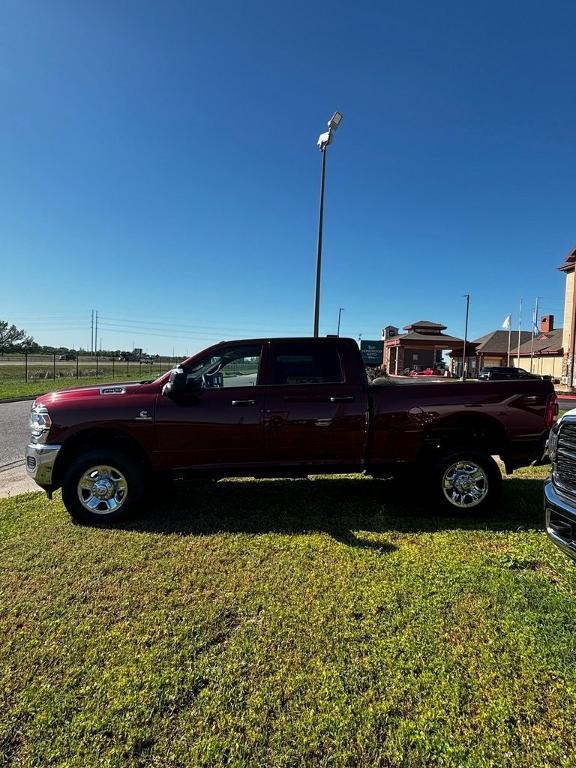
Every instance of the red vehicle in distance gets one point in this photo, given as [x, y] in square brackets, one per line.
[419, 371]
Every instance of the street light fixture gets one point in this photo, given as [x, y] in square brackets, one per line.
[323, 141]
[335, 121]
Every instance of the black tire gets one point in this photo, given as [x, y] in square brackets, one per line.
[465, 480]
[118, 493]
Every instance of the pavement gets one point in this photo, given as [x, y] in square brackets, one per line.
[565, 402]
[14, 436]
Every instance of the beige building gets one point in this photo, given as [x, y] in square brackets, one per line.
[568, 375]
[552, 351]
[543, 354]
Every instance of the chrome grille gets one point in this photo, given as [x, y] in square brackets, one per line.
[565, 465]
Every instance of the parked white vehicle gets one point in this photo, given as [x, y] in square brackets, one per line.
[560, 488]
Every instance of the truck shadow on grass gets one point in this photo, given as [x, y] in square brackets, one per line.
[338, 507]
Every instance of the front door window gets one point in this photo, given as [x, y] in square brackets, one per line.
[230, 367]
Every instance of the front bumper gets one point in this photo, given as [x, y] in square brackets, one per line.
[560, 520]
[40, 460]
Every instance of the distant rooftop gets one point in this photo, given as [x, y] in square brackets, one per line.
[496, 342]
[426, 332]
[544, 344]
[569, 262]
[425, 326]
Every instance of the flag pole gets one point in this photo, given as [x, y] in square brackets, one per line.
[509, 338]
[534, 325]
[519, 327]
[464, 371]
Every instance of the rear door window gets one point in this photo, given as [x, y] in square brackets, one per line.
[304, 363]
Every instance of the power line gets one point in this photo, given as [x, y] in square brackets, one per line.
[237, 333]
[41, 317]
[75, 322]
[172, 335]
[156, 323]
[190, 330]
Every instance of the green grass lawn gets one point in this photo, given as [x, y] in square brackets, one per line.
[287, 623]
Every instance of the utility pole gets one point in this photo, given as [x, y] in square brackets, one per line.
[467, 297]
[96, 333]
[92, 335]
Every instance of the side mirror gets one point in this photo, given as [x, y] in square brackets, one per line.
[176, 384]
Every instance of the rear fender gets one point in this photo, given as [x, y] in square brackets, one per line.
[472, 429]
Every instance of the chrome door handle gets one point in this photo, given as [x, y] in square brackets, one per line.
[346, 399]
[243, 402]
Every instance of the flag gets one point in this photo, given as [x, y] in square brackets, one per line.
[506, 323]
[535, 329]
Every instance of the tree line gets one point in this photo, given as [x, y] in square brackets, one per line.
[16, 340]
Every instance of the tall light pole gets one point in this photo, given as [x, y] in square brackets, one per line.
[467, 297]
[340, 310]
[323, 141]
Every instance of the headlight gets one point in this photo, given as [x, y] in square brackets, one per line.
[40, 422]
[553, 441]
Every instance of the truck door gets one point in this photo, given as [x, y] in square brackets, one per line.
[218, 420]
[313, 415]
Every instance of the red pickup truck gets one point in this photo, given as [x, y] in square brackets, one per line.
[282, 408]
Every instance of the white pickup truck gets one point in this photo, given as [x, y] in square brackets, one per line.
[560, 488]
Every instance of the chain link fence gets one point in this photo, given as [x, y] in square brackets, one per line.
[30, 367]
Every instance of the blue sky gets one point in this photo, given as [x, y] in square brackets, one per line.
[159, 164]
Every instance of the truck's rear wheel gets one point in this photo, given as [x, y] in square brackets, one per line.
[102, 486]
[466, 479]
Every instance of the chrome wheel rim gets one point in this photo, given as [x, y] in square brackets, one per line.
[102, 490]
[465, 484]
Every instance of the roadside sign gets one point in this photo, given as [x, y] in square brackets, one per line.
[372, 352]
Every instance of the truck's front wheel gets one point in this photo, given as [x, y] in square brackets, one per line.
[102, 487]
[466, 480]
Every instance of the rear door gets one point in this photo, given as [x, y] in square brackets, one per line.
[316, 410]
